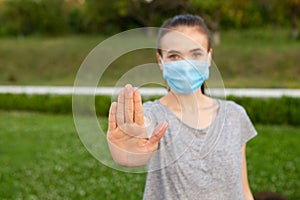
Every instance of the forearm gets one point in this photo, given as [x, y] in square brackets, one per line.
[248, 195]
[247, 191]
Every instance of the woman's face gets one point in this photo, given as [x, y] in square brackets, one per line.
[184, 43]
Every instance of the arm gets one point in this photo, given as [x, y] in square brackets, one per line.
[247, 192]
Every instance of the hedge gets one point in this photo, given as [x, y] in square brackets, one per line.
[285, 110]
[57, 104]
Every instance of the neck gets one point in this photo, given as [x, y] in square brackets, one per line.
[189, 102]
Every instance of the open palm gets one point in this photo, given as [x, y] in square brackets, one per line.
[127, 138]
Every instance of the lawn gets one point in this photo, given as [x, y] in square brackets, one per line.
[42, 157]
[245, 58]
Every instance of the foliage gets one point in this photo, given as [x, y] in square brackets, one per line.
[37, 103]
[25, 17]
[43, 158]
[283, 110]
[291, 8]
[61, 104]
[100, 16]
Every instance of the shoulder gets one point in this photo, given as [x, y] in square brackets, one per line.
[154, 107]
[150, 104]
[236, 114]
[233, 107]
[155, 111]
[234, 111]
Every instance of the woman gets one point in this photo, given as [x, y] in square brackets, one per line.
[197, 149]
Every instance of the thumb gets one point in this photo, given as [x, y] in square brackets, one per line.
[158, 132]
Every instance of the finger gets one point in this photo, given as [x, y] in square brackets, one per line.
[128, 107]
[112, 125]
[138, 117]
[159, 131]
[120, 108]
[133, 130]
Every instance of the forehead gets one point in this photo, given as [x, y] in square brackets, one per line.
[184, 39]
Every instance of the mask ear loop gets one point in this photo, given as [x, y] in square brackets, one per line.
[209, 59]
[162, 61]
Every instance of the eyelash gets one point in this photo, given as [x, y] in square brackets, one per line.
[173, 56]
[197, 54]
[176, 56]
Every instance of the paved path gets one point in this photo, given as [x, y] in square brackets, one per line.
[62, 90]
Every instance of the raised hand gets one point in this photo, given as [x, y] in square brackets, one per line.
[126, 135]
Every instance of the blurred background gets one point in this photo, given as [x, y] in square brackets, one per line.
[43, 43]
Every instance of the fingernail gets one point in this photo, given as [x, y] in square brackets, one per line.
[166, 124]
[135, 89]
[163, 125]
[128, 85]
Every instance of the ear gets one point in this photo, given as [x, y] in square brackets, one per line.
[158, 59]
[210, 52]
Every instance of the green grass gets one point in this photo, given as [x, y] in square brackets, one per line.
[43, 61]
[41, 157]
[246, 58]
[273, 160]
[258, 58]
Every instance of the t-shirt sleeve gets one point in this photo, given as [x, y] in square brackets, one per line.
[149, 118]
[247, 129]
[147, 109]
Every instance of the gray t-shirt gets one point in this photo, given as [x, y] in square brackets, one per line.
[198, 163]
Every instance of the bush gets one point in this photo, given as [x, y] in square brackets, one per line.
[285, 110]
[38, 103]
[27, 17]
[60, 104]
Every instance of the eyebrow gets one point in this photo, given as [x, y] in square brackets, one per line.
[197, 49]
[178, 52]
[173, 51]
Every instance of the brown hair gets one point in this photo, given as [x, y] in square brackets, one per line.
[184, 20]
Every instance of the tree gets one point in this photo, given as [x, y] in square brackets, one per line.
[211, 12]
[98, 14]
[149, 13]
[288, 9]
[24, 17]
[73, 9]
[294, 7]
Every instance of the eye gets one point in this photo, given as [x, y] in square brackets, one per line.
[174, 57]
[197, 55]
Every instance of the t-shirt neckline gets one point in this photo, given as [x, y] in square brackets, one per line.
[212, 131]
[214, 121]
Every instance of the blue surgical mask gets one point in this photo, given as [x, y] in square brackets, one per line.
[185, 76]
